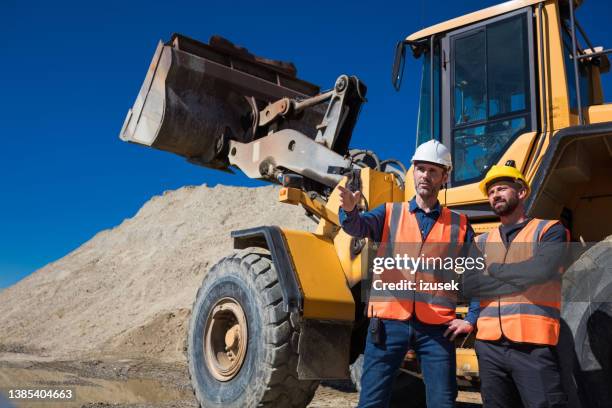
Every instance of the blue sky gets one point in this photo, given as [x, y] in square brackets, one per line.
[71, 70]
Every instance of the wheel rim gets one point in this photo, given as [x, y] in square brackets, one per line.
[226, 339]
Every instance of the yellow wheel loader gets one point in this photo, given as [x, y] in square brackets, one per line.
[518, 81]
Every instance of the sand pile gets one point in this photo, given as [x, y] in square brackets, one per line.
[128, 291]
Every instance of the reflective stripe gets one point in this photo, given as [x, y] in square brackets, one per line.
[520, 308]
[396, 212]
[439, 274]
[489, 311]
[536, 234]
[389, 295]
[434, 300]
[398, 294]
[482, 237]
[481, 241]
[455, 223]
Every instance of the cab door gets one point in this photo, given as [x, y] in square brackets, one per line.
[488, 99]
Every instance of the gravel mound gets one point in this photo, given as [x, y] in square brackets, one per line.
[129, 290]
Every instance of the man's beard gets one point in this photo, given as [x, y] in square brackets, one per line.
[507, 207]
[428, 193]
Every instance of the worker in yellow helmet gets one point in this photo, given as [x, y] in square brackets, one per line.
[507, 172]
[520, 294]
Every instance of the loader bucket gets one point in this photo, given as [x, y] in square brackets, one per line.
[196, 97]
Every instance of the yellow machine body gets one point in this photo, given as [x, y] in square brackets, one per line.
[324, 260]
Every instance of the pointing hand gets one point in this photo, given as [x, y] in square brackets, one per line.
[348, 199]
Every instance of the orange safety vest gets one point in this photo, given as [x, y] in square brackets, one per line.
[531, 316]
[401, 227]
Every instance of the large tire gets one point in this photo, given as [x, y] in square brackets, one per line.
[266, 375]
[585, 348]
[408, 390]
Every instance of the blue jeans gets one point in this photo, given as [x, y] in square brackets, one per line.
[435, 353]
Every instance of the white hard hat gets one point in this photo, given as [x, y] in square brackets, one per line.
[435, 152]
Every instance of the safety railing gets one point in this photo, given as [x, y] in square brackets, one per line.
[576, 56]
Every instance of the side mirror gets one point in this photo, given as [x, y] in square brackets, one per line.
[398, 65]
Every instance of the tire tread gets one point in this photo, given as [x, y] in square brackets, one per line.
[279, 385]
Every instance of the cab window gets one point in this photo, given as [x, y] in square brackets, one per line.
[490, 92]
[424, 116]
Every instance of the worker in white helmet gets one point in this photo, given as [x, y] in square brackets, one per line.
[417, 319]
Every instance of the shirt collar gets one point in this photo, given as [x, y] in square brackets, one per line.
[507, 229]
[413, 206]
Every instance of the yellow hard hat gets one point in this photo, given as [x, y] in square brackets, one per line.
[507, 171]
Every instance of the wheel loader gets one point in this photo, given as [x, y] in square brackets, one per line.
[517, 81]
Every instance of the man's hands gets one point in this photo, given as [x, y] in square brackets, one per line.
[348, 199]
[456, 327]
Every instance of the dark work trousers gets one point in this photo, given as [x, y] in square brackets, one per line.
[514, 375]
[436, 355]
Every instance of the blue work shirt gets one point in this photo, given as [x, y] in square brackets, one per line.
[370, 224]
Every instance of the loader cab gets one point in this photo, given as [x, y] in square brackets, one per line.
[483, 87]
[490, 99]
[499, 84]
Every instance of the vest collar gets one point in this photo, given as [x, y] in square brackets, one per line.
[521, 236]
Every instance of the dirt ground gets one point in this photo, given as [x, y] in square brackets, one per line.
[128, 383]
[134, 384]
